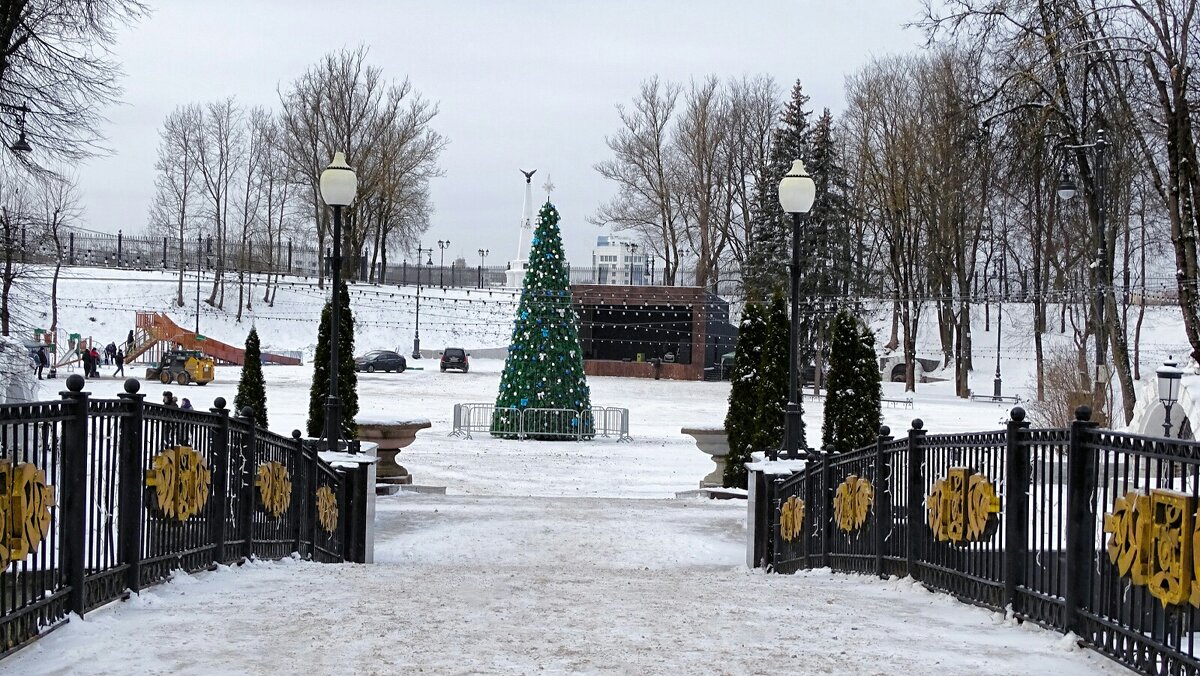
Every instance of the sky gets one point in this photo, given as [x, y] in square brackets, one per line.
[520, 85]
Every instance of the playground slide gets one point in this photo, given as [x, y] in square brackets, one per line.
[157, 329]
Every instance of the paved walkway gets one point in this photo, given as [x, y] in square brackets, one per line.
[552, 585]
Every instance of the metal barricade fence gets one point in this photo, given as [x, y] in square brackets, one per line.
[553, 423]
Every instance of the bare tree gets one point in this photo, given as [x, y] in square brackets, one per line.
[59, 207]
[220, 151]
[642, 168]
[54, 59]
[176, 183]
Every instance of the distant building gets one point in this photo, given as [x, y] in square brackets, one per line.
[619, 261]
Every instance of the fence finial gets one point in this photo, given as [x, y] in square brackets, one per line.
[918, 424]
[132, 385]
[75, 382]
[219, 403]
[1017, 414]
[296, 434]
[1083, 413]
[246, 412]
[885, 431]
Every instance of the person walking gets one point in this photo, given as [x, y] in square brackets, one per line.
[95, 362]
[86, 357]
[129, 342]
[42, 361]
[120, 359]
[186, 405]
[169, 399]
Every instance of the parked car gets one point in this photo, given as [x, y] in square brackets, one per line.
[380, 360]
[455, 358]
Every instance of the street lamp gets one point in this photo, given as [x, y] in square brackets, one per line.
[442, 246]
[796, 195]
[20, 145]
[482, 254]
[338, 186]
[416, 353]
[1066, 190]
[1169, 376]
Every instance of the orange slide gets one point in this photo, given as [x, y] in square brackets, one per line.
[155, 331]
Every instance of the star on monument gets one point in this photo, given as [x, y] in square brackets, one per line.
[548, 187]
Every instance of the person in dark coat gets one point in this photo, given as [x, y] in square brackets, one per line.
[129, 342]
[120, 359]
[186, 405]
[95, 362]
[42, 361]
[86, 357]
[170, 400]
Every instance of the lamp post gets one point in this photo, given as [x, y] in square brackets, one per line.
[20, 146]
[796, 195]
[482, 254]
[199, 250]
[442, 246]
[416, 353]
[338, 187]
[1169, 376]
[1066, 190]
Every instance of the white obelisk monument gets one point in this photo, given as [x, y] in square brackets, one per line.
[515, 276]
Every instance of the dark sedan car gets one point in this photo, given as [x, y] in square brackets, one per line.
[380, 360]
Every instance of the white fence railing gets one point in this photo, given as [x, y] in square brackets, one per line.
[555, 423]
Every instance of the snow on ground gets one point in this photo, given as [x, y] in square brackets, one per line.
[545, 556]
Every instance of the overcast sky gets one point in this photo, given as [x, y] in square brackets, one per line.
[520, 85]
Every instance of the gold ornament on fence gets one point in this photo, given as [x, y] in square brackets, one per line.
[181, 480]
[274, 488]
[327, 509]
[962, 507]
[791, 518]
[25, 502]
[852, 502]
[1154, 540]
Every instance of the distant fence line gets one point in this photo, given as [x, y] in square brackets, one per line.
[1081, 530]
[101, 496]
[286, 257]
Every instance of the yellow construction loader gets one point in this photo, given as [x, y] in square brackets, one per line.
[182, 367]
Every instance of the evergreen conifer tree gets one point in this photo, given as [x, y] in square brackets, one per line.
[767, 266]
[740, 418]
[759, 389]
[852, 402]
[252, 388]
[347, 378]
[544, 367]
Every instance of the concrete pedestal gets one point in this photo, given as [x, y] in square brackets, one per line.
[713, 441]
[390, 437]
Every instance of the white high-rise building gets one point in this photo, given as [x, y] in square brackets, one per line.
[619, 261]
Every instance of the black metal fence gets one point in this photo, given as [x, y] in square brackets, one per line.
[1082, 529]
[302, 259]
[102, 496]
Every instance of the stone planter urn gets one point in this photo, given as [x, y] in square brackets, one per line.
[391, 435]
[713, 441]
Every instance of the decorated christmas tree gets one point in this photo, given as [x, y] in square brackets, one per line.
[544, 367]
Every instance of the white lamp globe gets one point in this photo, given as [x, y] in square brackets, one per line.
[1169, 375]
[797, 190]
[339, 183]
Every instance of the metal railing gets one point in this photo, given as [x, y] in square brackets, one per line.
[1082, 529]
[100, 496]
[546, 423]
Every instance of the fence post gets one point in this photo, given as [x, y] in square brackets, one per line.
[73, 547]
[310, 460]
[129, 473]
[345, 478]
[883, 497]
[249, 466]
[164, 253]
[1081, 521]
[1016, 512]
[120, 239]
[300, 487]
[219, 451]
[916, 495]
[827, 492]
[71, 249]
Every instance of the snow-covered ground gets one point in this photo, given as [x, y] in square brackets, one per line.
[546, 556]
